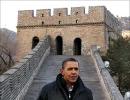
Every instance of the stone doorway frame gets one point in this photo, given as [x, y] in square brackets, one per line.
[77, 46]
[35, 41]
[59, 45]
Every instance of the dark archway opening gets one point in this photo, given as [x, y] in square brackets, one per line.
[77, 46]
[59, 45]
[35, 41]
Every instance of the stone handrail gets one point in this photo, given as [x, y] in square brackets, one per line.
[15, 82]
[105, 76]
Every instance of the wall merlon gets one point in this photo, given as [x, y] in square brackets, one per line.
[26, 13]
[78, 11]
[60, 12]
[43, 12]
[96, 10]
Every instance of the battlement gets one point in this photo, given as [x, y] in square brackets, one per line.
[60, 16]
[96, 14]
[61, 11]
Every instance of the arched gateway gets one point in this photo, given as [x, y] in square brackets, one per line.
[77, 46]
[35, 41]
[59, 45]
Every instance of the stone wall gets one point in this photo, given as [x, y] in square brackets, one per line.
[92, 28]
[15, 82]
[105, 76]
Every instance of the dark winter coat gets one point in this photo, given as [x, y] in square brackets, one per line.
[57, 90]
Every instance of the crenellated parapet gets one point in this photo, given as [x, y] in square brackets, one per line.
[95, 15]
[60, 16]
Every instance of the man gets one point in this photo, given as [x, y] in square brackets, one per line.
[68, 84]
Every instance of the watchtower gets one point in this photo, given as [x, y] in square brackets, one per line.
[70, 34]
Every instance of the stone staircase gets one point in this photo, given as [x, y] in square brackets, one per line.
[50, 68]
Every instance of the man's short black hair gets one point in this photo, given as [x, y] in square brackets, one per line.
[68, 59]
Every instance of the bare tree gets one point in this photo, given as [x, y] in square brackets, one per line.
[7, 49]
[6, 60]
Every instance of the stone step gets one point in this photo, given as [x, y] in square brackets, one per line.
[50, 68]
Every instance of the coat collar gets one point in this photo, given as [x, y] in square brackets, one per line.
[61, 83]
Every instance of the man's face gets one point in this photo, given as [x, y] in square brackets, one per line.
[70, 72]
